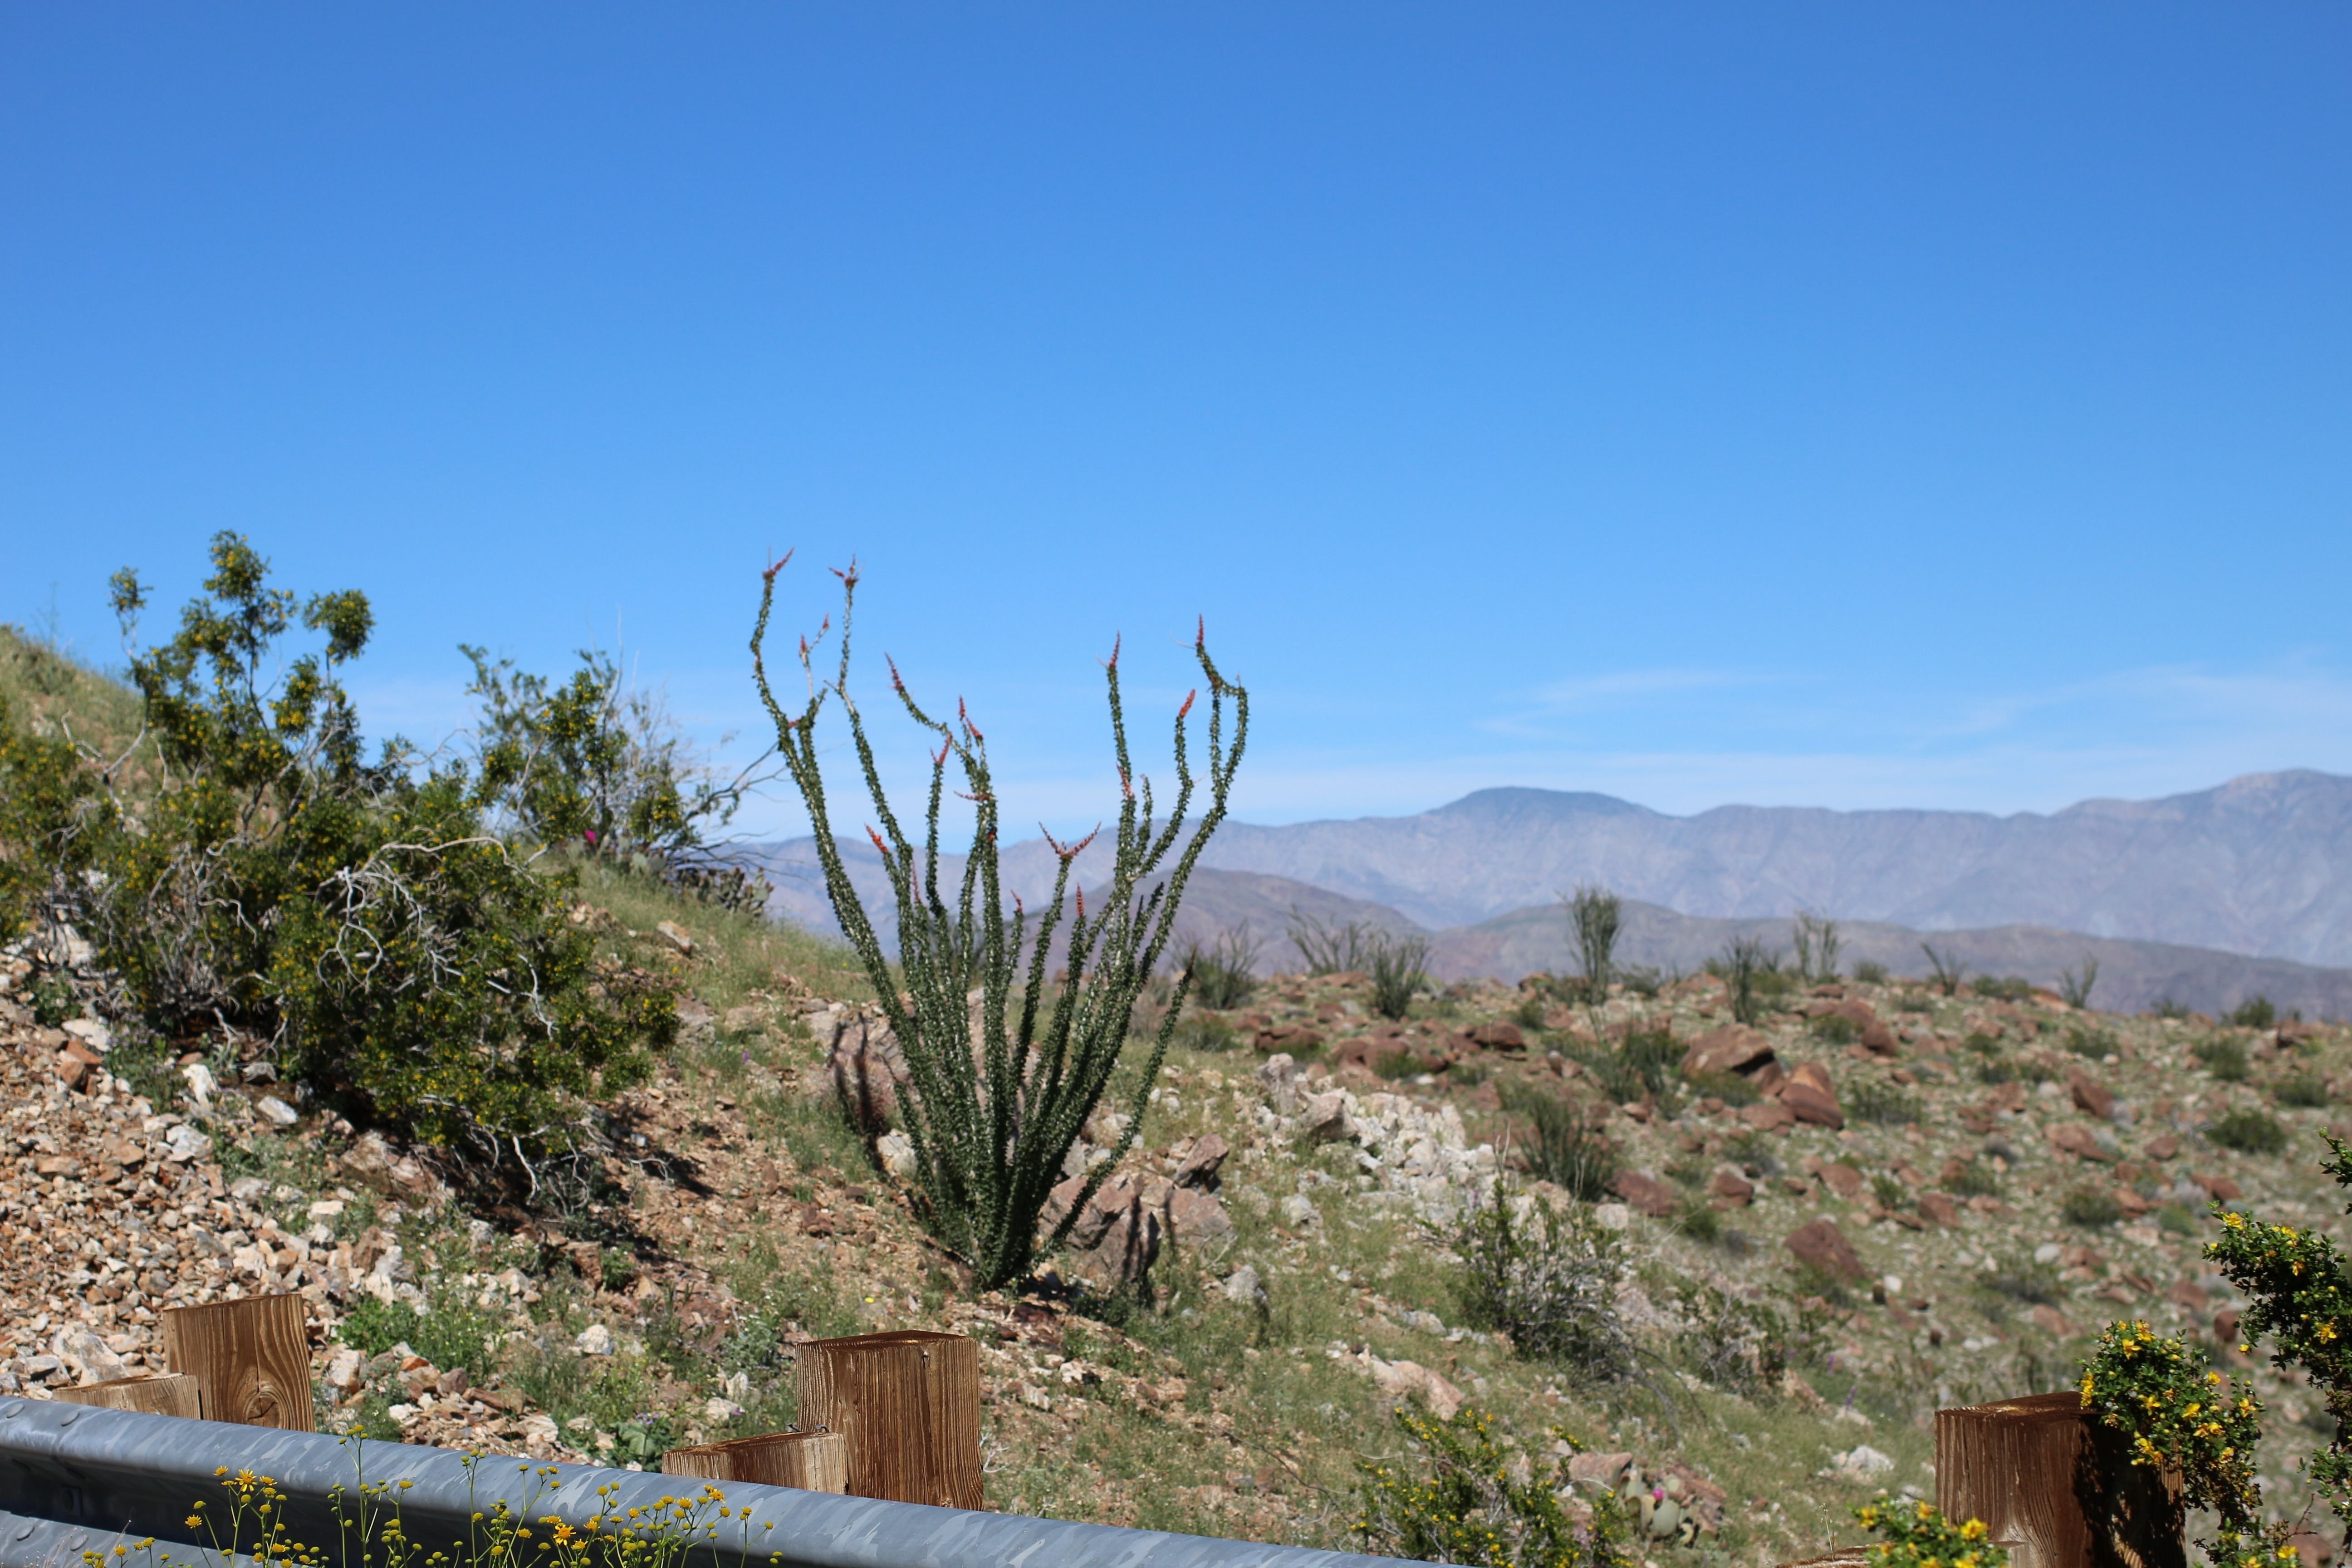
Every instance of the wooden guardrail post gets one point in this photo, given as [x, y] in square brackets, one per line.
[2054, 1488]
[906, 1404]
[174, 1394]
[250, 1360]
[813, 1461]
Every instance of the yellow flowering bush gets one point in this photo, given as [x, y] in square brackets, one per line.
[2179, 1415]
[1470, 1509]
[1913, 1535]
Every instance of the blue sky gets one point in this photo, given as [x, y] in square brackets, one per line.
[1833, 405]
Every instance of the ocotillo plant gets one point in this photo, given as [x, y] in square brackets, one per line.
[994, 1103]
[1596, 915]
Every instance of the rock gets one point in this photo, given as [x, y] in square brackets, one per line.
[1242, 1285]
[202, 1085]
[1278, 1077]
[343, 1371]
[1646, 1192]
[1734, 1047]
[1498, 1036]
[1325, 1120]
[1823, 1246]
[76, 1063]
[1810, 1097]
[1196, 1219]
[1613, 1216]
[261, 1069]
[2050, 1320]
[1843, 1179]
[1285, 1037]
[1116, 1238]
[248, 1189]
[1200, 1162]
[896, 1153]
[1879, 1040]
[2090, 1097]
[184, 1144]
[277, 1111]
[595, 1340]
[716, 1409]
[56, 1165]
[1861, 1463]
[2074, 1138]
[90, 1033]
[1937, 1208]
[673, 933]
[454, 1382]
[1408, 1379]
[2165, 1148]
[2221, 1189]
[748, 1019]
[78, 1345]
[1298, 1213]
[1766, 1115]
[1732, 1187]
[1598, 1473]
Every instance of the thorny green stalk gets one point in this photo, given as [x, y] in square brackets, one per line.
[996, 1103]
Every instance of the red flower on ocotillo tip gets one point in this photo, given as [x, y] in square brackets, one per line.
[878, 841]
[897, 684]
[1188, 704]
[1117, 639]
[964, 718]
[776, 566]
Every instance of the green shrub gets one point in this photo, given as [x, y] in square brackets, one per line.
[2178, 1219]
[1870, 972]
[2002, 988]
[2094, 1043]
[2254, 1013]
[2301, 1090]
[1471, 1510]
[404, 962]
[1732, 1342]
[1327, 949]
[1817, 945]
[2224, 1057]
[2166, 1007]
[1728, 1086]
[1394, 1066]
[1224, 971]
[1547, 1279]
[996, 1099]
[1207, 1032]
[1995, 1071]
[2248, 1132]
[454, 1334]
[1468, 1075]
[1835, 1029]
[1744, 965]
[1697, 1219]
[2074, 984]
[2090, 1206]
[1946, 969]
[1973, 1180]
[1881, 1101]
[1396, 973]
[1529, 1013]
[1569, 1150]
[1917, 1536]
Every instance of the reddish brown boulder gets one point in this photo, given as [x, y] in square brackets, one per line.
[2074, 1138]
[1879, 1040]
[1823, 1246]
[1734, 1047]
[2050, 1320]
[1197, 1164]
[2090, 1097]
[1810, 1097]
[1843, 1179]
[1295, 1038]
[1732, 1187]
[2164, 1148]
[2220, 1188]
[1937, 1208]
[1766, 1115]
[1498, 1036]
[1648, 1193]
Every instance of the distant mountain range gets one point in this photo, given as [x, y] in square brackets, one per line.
[2256, 873]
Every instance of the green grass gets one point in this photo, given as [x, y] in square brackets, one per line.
[2224, 1057]
[2248, 1132]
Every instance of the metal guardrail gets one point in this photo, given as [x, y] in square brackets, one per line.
[76, 1479]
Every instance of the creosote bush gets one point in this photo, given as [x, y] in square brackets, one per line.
[360, 916]
[1471, 1510]
[1397, 969]
[1569, 1150]
[2224, 1055]
[1224, 971]
[999, 1092]
[1549, 1280]
[2248, 1132]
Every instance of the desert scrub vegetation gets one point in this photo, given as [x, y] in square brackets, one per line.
[1547, 1277]
[2248, 1131]
[1483, 1501]
[360, 919]
[994, 1103]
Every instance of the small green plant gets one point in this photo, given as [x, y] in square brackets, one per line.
[1914, 1535]
[2224, 1055]
[1207, 1032]
[1468, 1075]
[2091, 1208]
[1394, 1067]
[2095, 1044]
[2301, 1091]
[1835, 1029]
[1397, 971]
[1728, 1086]
[1974, 1179]
[2247, 1131]
[2254, 1013]
[1882, 1102]
[1569, 1150]
[1890, 1192]
[1697, 1219]
[1946, 970]
[1224, 971]
[2176, 1219]
[1470, 1509]
[1547, 1278]
[1870, 972]
[2166, 1007]
[2002, 988]
[1742, 966]
[2074, 984]
[997, 1097]
[1529, 1013]
[2179, 1415]
[1596, 916]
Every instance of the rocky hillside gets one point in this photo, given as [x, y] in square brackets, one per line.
[1801, 1237]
